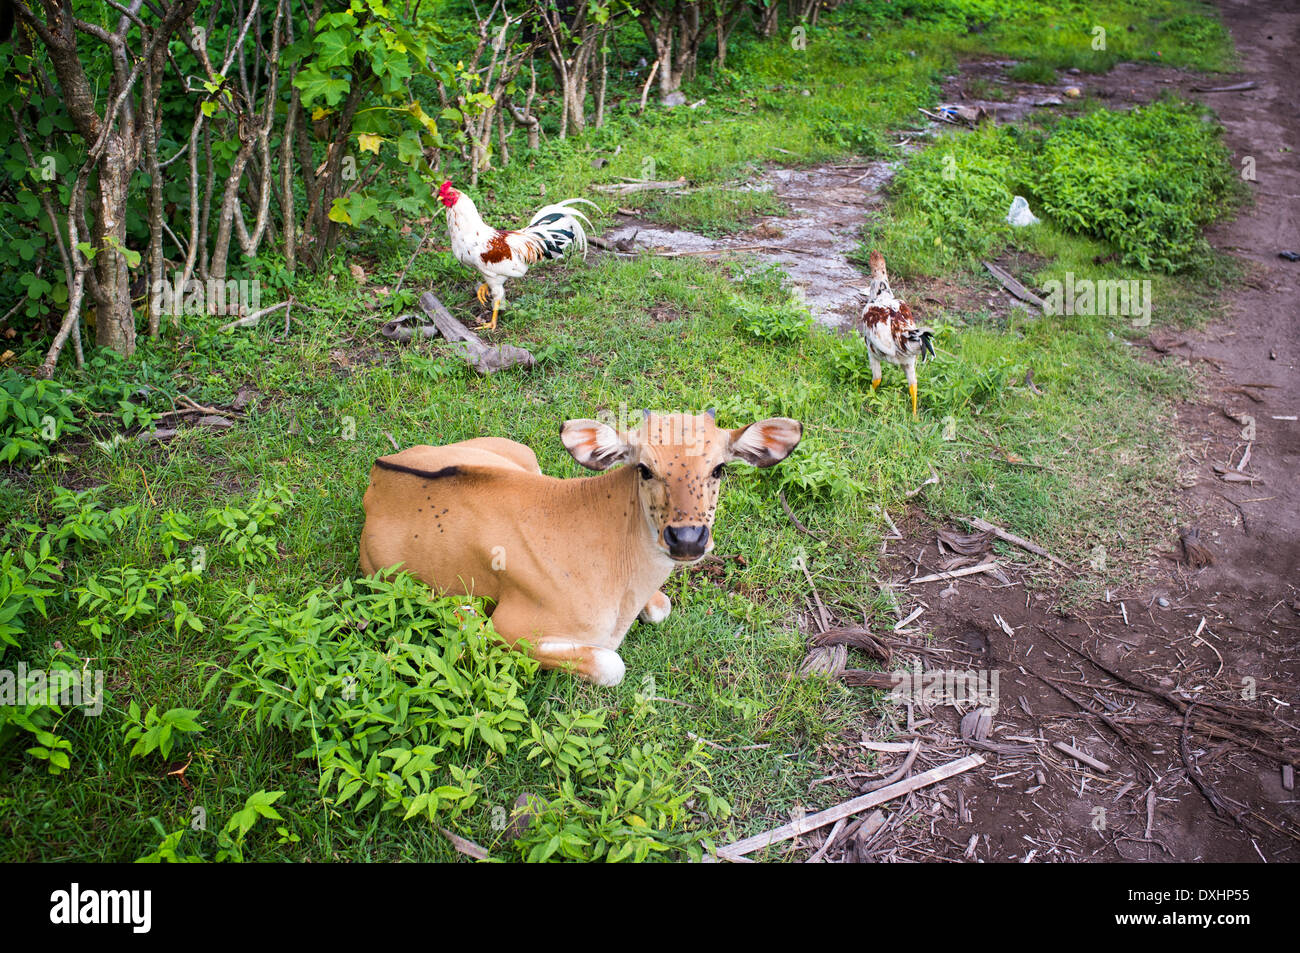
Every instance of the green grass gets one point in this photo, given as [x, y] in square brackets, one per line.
[1032, 71]
[716, 211]
[1088, 462]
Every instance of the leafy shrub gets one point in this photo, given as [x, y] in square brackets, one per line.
[818, 474]
[775, 324]
[242, 529]
[952, 200]
[390, 686]
[230, 839]
[154, 732]
[639, 812]
[1147, 180]
[33, 415]
[26, 582]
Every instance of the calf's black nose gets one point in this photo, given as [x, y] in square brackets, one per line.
[686, 541]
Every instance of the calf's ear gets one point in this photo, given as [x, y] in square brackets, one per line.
[595, 445]
[766, 442]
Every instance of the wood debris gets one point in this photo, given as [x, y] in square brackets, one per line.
[1014, 540]
[848, 808]
[484, 358]
[1015, 288]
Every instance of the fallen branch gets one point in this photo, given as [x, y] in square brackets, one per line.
[1014, 287]
[861, 678]
[1014, 540]
[466, 847]
[1235, 88]
[484, 358]
[934, 478]
[252, 319]
[855, 806]
[780, 495]
[627, 188]
[857, 638]
[826, 845]
[897, 775]
[956, 573]
[1079, 756]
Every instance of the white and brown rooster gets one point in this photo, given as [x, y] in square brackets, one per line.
[890, 330]
[499, 254]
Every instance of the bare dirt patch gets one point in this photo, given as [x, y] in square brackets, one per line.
[828, 205]
[1116, 677]
[1184, 687]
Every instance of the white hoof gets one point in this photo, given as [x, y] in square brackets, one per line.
[657, 609]
[609, 668]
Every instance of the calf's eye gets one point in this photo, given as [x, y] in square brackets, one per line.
[644, 471]
[720, 469]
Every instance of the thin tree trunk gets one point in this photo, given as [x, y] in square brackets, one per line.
[114, 318]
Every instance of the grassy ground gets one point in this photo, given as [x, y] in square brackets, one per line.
[325, 400]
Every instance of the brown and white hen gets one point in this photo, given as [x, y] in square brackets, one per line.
[890, 330]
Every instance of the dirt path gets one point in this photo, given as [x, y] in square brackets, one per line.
[1246, 657]
[1117, 678]
[812, 244]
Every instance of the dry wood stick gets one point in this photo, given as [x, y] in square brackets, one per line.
[956, 573]
[1015, 540]
[858, 804]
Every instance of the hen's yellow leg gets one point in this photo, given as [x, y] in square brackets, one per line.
[492, 325]
[875, 382]
[912, 390]
[482, 294]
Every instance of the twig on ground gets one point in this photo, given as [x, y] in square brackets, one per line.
[855, 806]
[466, 847]
[897, 775]
[1078, 755]
[780, 495]
[989, 566]
[1013, 539]
[252, 319]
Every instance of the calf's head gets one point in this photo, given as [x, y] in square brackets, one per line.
[680, 459]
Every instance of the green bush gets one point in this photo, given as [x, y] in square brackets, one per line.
[394, 690]
[33, 415]
[1147, 180]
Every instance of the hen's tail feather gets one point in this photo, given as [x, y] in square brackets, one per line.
[927, 348]
[556, 227]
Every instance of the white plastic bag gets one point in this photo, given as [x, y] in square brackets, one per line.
[1020, 214]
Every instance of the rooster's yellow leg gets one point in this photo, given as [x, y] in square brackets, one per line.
[482, 294]
[912, 389]
[492, 325]
[875, 383]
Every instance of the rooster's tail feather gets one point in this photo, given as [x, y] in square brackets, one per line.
[556, 227]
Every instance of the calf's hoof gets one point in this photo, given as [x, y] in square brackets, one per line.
[657, 609]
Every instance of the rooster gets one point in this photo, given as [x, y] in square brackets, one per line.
[891, 331]
[498, 254]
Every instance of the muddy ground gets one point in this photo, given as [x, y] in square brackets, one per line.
[1185, 687]
[812, 243]
[1116, 678]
